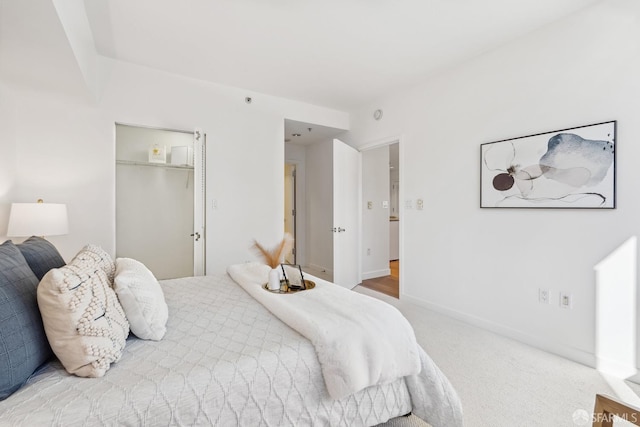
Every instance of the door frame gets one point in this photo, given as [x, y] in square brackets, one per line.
[401, 200]
[200, 201]
[197, 172]
[301, 209]
[294, 204]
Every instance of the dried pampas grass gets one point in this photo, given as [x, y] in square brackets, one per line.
[274, 256]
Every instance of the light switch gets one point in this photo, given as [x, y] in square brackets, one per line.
[369, 205]
[419, 204]
[385, 204]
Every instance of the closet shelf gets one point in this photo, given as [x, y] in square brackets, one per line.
[155, 165]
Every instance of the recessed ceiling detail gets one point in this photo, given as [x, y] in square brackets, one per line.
[286, 48]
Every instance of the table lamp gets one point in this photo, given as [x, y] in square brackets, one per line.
[37, 219]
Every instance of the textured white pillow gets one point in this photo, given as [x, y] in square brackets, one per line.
[142, 299]
[96, 255]
[84, 322]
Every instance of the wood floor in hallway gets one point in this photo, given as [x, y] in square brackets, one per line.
[387, 284]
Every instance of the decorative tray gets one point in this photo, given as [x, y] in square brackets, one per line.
[285, 289]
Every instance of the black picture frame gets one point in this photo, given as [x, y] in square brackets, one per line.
[291, 284]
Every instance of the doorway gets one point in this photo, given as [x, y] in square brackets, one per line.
[311, 148]
[159, 199]
[381, 218]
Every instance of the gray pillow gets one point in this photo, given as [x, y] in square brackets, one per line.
[41, 255]
[23, 343]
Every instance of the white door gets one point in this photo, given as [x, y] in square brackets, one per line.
[346, 214]
[199, 175]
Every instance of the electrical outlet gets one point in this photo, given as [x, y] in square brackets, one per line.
[543, 296]
[419, 204]
[566, 300]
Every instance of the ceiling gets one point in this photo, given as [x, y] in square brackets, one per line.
[340, 54]
[333, 53]
[301, 133]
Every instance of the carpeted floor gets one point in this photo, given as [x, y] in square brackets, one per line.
[502, 382]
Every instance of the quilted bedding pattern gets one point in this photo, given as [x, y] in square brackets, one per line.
[225, 360]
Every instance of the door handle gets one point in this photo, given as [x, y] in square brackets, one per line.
[197, 235]
[340, 229]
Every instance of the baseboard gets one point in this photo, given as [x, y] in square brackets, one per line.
[559, 349]
[376, 273]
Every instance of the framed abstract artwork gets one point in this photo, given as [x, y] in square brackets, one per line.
[568, 168]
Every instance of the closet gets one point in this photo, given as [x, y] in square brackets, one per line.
[156, 195]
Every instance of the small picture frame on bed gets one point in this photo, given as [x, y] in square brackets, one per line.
[293, 276]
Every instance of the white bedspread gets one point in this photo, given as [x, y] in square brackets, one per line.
[224, 361]
[360, 341]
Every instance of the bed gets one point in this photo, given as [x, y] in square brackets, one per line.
[224, 360]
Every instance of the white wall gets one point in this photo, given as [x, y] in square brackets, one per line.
[319, 177]
[486, 266]
[8, 157]
[66, 153]
[375, 221]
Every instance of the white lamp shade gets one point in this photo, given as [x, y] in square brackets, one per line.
[37, 219]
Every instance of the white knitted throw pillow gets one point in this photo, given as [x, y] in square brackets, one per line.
[84, 322]
[96, 255]
[142, 299]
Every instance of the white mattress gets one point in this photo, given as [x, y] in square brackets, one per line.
[225, 360]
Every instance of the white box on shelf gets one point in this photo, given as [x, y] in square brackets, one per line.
[157, 154]
[180, 155]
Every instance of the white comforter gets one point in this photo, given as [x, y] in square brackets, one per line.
[360, 341]
[225, 360]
